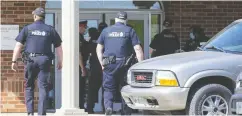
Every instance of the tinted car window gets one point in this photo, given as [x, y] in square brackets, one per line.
[229, 39]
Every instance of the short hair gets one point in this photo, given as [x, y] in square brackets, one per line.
[40, 17]
[101, 26]
[93, 33]
[120, 21]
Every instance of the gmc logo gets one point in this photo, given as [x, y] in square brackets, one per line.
[140, 77]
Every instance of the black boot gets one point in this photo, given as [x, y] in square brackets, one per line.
[108, 112]
[30, 114]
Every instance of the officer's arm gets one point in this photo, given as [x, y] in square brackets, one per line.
[154, 43]
[137, 47]
[99, 50]
[59, 52]
[57, 44]
[17, 50]
[21, 38]
[100, 46]
[139, 52]
[81, 63]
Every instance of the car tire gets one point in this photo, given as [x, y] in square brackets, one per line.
[206, 92]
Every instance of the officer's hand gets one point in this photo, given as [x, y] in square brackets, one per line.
[59, 65]
[14, 67]
[102, 67]
[84, 72]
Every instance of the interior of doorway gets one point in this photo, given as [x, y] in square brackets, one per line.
[138, 21]
[94, 19]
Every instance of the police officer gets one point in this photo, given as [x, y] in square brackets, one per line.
[102, 26]
[117, 41]
[166, 42]
[95, 80]
[38, 38]
[83, 57]
[196, 37]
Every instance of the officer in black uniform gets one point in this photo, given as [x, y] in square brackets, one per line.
[197, 36]
[117, 41]
[83, 57]
[102, 26]
[95, 80]
[38, 38]
[166, 42]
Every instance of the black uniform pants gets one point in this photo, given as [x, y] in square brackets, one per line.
[82, 89]
[94, 84]
[39, 67]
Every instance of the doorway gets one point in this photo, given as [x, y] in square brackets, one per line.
[146, 23]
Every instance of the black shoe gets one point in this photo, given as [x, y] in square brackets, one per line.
[30, 114]
[90, 111]
[108, 112]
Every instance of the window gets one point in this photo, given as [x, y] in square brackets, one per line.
[104, 4]
[229, 39]
[49, 19]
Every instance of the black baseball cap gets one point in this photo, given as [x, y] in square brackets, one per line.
[83, 22]
[122, 15]
[39, 12]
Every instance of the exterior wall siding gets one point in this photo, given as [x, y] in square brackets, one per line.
[12, 83]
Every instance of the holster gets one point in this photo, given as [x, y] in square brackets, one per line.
[109, 60]
[25, 57]
[52, 56]
[130, 61]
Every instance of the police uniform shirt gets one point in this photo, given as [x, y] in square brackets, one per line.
[38, 38]
[83, 48]
[165, 43]
[118, 40]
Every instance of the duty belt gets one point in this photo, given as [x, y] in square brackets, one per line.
[36, 54]
[121, 58]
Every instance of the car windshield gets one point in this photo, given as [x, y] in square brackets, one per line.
[228, 40]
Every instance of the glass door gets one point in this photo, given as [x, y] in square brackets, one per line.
[50, 20]
[140, 24]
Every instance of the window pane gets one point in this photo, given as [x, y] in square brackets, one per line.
[102, 4]
[49, 19]
[229, 39]
[53, 4]
[155, 25]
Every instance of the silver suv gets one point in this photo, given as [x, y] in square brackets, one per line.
[193, 83]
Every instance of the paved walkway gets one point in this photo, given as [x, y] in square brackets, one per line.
[52, 114]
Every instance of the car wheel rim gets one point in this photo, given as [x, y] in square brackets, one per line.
[214, 105]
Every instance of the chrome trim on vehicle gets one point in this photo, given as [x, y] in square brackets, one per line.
[135, 84]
